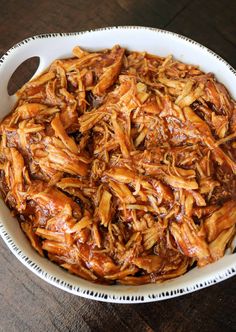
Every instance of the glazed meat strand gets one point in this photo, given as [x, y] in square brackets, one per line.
[120, 166]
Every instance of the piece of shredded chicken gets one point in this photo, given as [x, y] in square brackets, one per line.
[120, 166]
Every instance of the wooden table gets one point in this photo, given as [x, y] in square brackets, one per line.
[29, 304]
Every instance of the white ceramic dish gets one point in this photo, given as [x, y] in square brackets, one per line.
[51, 46]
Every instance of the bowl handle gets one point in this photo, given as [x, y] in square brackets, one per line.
[11, 60]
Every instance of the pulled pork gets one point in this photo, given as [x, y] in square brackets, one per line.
[120, 166]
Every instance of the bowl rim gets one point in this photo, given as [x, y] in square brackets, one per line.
[224, 273]
[128, 27]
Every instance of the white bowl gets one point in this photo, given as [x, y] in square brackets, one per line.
[51, 46]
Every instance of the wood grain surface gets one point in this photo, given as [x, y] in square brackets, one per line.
[29, 304]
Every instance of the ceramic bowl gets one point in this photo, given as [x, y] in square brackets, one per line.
[51, 46]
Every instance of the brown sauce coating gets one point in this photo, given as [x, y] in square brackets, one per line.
[120, 166]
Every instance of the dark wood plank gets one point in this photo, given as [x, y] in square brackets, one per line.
[211, 23]
[29, 304]
[19, 19]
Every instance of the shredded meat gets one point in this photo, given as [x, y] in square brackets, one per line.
[120, 166]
